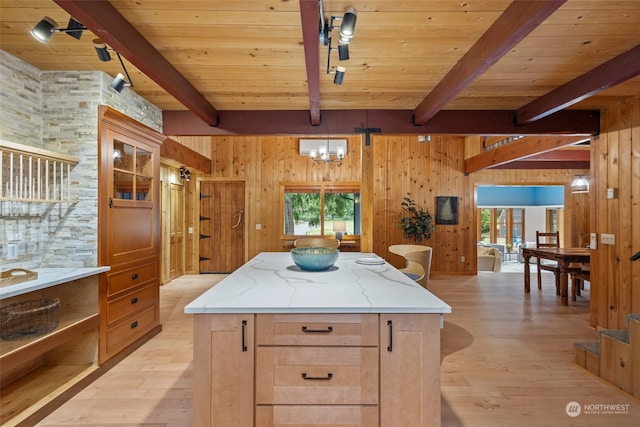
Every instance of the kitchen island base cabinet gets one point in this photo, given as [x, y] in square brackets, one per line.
[223, 379]
[317, 370]
[410, 371]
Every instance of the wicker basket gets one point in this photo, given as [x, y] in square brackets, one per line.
[27, 319]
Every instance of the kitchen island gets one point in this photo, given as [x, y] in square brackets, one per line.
[356, 345]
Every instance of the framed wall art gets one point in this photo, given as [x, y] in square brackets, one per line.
[446, 210]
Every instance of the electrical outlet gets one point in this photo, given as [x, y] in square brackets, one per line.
[190, 230]
[258, 226]
[608, 239]
[593, 241]
[462, 258]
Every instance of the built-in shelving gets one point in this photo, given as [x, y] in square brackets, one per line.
[31, 174]
[37, 373]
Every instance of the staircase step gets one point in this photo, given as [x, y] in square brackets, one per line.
[587, 355]
[633, 316]
[617, 334]
[590, 346]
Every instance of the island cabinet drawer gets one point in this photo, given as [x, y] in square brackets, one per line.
[131, 328]
[128, 303]
[318, 329]
[317, 415]
[126, 279]
[317, 375]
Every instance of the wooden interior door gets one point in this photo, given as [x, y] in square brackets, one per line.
[176, 232]
[221, 226]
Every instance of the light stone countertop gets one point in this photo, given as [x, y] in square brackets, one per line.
[48, 277]
[272, 283]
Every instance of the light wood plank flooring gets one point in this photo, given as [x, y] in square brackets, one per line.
[507, 360]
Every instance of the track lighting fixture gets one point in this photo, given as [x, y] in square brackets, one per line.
[347, 29]
[44, 29]
[337, 79]
[102, 50]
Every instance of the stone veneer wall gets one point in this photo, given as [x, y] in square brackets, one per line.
[58, 111]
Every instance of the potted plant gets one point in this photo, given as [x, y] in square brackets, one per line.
[418, 224]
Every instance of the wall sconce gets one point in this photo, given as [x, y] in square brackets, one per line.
[324, 150]
[44, 29]
[339, 227]
[185, 173]
[347, 29]
[102, 50]
[580, 184]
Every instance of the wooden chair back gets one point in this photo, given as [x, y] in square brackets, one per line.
[547, 240]
[417, 261]
[316, 242]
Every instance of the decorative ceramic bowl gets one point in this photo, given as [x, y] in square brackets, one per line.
[315, 259]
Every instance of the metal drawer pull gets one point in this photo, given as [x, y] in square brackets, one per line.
[390, 347]
[329, 329]
[134, 276]
[328, 377]
[134, 300]
[244, 345]
[134, 325]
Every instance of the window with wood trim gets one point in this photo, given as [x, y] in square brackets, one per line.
[501, 226]
[320, 209]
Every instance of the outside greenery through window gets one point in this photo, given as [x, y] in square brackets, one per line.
[321, 210]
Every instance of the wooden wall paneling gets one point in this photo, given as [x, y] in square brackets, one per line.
[367, 196]
[624, 227]
[579, 219]
[615, 164]
[610, 222]
[633, 182]
[199, 144]
[378, 190]
[599, 263]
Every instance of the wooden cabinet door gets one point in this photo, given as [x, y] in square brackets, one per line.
[410, 370]
[129, 220]
[176, 232]
[223, 370]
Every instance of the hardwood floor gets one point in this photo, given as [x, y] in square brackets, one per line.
[507, 360]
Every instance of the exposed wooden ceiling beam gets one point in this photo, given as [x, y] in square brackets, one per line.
[526, 164]
[184, 155]
[310, 14]
[513, 25]
[621, 68]
[458, 122]
[562, 156]
[517, 150]
[108, 24]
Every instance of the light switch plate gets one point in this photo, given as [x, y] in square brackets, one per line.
[608, 239]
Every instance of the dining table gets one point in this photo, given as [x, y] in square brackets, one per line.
[564, 257]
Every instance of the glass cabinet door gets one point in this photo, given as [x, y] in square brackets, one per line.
[132, 172]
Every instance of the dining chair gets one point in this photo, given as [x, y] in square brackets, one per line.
[548, 240]
[417, 261]
[316, 242]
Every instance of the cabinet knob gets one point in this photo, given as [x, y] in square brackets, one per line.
[134, 276]
[134, 300]
[134, 325]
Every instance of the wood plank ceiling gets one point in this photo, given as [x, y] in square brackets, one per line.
[221, 66]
